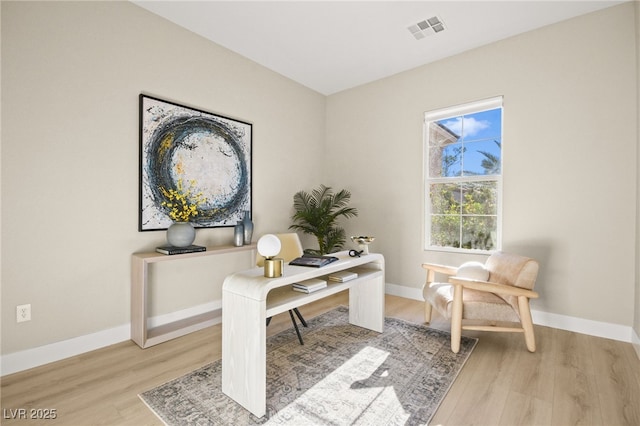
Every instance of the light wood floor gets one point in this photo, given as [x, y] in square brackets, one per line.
[572, 379]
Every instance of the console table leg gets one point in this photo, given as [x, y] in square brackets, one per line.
[139, 301]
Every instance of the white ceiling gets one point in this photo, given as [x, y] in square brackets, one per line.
[331, 46]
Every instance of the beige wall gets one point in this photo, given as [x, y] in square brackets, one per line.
[569, 157]
[71, 75]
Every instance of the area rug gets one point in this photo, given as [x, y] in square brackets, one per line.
[342, 375]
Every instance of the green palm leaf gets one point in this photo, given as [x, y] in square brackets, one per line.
[317, 213]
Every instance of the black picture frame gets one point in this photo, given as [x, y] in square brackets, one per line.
[203, 152]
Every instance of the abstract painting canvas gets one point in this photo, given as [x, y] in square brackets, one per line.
[203, 156]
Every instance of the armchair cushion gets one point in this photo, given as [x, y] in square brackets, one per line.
[474, 271]
[511, 269]
[478, 305]
[514, 270]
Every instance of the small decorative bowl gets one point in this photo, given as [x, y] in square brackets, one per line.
[363, 242]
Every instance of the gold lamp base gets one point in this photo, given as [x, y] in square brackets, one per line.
[273, 267]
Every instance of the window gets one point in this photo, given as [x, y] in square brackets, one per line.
[463, 177]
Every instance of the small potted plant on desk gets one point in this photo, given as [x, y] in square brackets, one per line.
[317, 214]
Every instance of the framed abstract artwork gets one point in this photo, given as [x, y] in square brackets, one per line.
[202, 158]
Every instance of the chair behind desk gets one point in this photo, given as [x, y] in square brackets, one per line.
[291, 248]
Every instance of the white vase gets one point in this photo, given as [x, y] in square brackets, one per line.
[181, 234]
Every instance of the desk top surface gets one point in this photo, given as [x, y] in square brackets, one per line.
[253, 284]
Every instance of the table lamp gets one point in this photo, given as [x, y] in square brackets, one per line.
[269, 246]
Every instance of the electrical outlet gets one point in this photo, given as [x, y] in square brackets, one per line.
[23, 313]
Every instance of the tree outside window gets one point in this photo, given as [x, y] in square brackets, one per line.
[464, 177]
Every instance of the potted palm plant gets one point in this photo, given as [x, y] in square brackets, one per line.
[317, 214]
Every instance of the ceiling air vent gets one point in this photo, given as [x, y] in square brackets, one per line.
[426, 28]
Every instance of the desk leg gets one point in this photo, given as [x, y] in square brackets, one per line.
[244, 376]
[366, 304]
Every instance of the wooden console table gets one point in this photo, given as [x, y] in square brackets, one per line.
[140, 262]
[248, 298]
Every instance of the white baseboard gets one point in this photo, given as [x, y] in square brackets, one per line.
[562, 322]
[30, 358]
[185, 313]
[635, 341]
[402, 291]
[583, 326]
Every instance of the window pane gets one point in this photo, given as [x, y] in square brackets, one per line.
[480, 198]
[483, 157]
[453, 126]
[452, 160]
[445, 162]
[445, 159]
[445, 198]
[479, 232]
[435, 161]
[480, 125]
[440, 135]
[445, 231]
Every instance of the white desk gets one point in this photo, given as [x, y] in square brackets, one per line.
[248, 298]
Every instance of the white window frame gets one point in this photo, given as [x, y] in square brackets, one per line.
[451, 112]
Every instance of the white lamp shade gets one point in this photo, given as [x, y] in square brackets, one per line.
[269, 245]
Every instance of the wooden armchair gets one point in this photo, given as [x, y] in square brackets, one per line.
[496, 292]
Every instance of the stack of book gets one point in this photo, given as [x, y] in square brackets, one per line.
[343, 276]
[312, 260]
[309, 286]
[180, 250]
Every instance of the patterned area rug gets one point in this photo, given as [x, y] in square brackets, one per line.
[342, 375]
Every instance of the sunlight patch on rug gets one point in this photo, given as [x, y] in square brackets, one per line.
[342, 375]
[330, 397]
